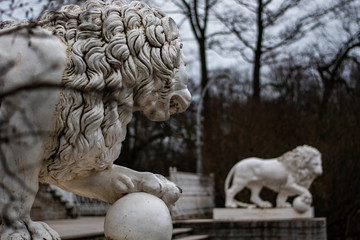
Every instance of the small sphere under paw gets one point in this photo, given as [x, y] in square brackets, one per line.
[138, 216]
[300, 205]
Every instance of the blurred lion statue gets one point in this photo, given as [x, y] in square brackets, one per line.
[69, 87]
[290, 174]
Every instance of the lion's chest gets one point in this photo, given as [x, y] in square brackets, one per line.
[84, 137]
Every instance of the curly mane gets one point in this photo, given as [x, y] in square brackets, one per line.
[113, 51]
[297, 162]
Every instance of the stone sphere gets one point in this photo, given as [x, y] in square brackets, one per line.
[300, 205]
[138, 216]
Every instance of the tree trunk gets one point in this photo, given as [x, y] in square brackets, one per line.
[329, 85]
[204, 71]
[258, 53]
[206, 106]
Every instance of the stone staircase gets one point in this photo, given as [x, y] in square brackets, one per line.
[187, 234]
[92, 228]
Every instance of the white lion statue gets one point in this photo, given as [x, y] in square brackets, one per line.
[68, 89]
[290, 174]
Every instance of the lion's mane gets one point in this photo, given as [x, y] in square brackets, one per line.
[297, 161]
[120, 52]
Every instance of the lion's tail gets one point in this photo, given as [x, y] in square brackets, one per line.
[229, 178]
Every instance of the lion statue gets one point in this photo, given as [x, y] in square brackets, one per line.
[68, 89]
[290, 174]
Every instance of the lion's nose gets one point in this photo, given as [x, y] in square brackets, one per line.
[180, 101]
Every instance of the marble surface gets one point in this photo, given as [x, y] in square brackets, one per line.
[288, 175]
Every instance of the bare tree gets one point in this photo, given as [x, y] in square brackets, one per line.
[333, 64]
[263, 28]
[197, 13]
[30, 10]
[325, 64]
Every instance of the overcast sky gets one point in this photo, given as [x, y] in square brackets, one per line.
[215, 60]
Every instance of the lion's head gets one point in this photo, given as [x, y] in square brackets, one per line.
[129, 53]
[304, 163]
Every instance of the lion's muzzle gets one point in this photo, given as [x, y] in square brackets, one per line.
[180, 101]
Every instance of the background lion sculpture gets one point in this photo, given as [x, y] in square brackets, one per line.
[110, 59]
[290, 174]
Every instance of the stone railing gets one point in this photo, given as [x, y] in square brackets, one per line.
[73, 205]
[197, 199]
[90, 206]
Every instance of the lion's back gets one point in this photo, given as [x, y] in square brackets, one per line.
[30, 57]
[29, 62]
[261, 169]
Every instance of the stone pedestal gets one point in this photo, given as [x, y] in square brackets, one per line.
[245, 214]
[299, 229]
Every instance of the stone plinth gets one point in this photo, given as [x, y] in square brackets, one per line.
[294, 229]
[246, 214]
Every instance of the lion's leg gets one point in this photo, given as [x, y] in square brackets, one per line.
[111, 184]
[20, 165]
[230, 195]
[19, 185]
[255, 198]
[237, 185]
[296, 189]
[281, 200]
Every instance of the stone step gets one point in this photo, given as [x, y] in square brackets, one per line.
[193, 237]
[181, 231]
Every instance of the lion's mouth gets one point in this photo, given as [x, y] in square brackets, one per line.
[179, 101]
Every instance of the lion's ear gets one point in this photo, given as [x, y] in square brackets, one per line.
[171, 30]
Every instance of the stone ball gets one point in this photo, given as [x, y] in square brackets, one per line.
[138, 216]
[300, 205]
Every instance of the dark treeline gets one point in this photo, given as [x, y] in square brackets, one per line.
[271, 128]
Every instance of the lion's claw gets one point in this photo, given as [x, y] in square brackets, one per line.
[161, 187]
[124, 183]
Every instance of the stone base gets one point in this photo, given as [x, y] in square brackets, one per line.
[293, 229]
[257, 214]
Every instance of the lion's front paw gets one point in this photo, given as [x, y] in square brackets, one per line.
[159, 186]
[9, 233]
[231, 204]
[40, 230]
[265, 204]
[307, 199]
[251, 206]
[284, 205]
[28, 231]
[123, 184]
